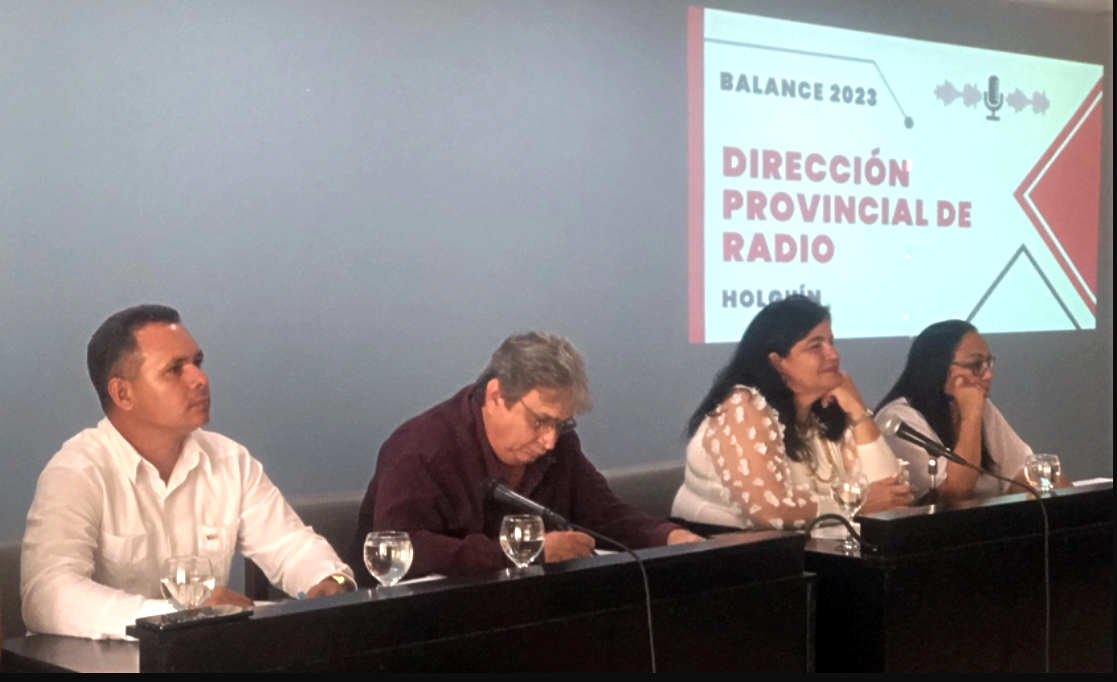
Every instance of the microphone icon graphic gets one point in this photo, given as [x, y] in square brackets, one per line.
[994, 98]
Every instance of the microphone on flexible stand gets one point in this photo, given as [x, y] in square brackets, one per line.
[894, 426]
[497, 491]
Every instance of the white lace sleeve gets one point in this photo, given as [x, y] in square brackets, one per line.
[744, 439]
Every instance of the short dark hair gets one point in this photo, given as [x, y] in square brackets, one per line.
[775, 329]
[115, 339]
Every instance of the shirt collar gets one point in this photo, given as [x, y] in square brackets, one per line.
[130, 460]
[488, 456]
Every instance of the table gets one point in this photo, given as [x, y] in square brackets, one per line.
[960, 588]
[736, 603]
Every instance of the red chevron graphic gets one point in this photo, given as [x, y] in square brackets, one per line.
[1060, 196]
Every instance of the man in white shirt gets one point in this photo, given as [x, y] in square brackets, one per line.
[147, 484]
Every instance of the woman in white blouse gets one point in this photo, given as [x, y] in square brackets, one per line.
[943, 392]
[780, 422]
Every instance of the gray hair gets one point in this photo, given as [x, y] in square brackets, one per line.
[537, 360]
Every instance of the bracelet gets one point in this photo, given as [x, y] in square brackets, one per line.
[865, 416]
[344, 581]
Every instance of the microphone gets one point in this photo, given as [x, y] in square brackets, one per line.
[498, 492]
[894, 426]
[994, 98]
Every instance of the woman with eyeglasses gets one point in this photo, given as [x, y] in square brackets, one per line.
[943, 392]
[780, 423]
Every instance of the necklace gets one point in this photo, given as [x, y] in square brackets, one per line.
[812, 462]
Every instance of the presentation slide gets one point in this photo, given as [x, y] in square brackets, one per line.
[900, 182]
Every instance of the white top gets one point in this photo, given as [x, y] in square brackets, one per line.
[102, 523]
[1005, 447]
[738, 473]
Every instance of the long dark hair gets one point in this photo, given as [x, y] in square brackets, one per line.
[923, 381]
[775, 329]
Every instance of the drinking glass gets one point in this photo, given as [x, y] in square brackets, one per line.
[1042, 471]
[187, 581]
[849, 492]
[388, 555]
[521, 538]
[902, 475]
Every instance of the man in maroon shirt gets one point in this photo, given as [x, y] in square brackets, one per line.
[516, 425]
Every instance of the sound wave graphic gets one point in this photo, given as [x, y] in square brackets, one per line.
[971, 96]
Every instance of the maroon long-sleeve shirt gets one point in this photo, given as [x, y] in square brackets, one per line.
[430, 478]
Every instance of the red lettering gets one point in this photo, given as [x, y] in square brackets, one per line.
[759, 249]
[757, 202]
[863, 207]
[902, 214]
[731, 201]
[794, 164]
[837, 162]
[808, 211]
[822, 249]
[731, 244]
[782, 207]
[771, 165]
[785, 248]
[842, 209]
[946, 214]
[812, 171]
[733, 162]
[964, 214]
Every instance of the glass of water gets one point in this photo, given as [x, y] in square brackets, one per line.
[187, 581]
[849, 492]
[1042, 471]
[388, 555]
[521, 538]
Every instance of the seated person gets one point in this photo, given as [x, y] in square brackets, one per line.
[514, 424]
[943, 392]
[779, 424]
[148, 483]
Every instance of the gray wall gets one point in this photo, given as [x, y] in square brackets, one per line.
[352, 203]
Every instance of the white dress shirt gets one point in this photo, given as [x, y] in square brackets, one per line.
[102, 523]
[1006, 448]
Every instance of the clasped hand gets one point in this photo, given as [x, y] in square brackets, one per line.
[223, 595]
[968, 395]
[561, 545]
[847, 396]
[885, 494]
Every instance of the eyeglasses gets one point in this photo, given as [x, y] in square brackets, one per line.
[978, 367]
[542, 424]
